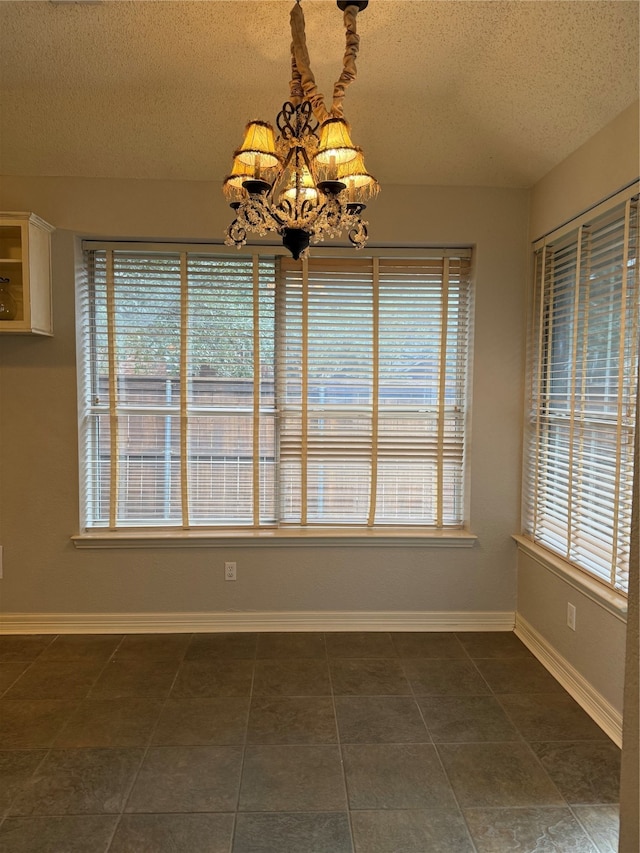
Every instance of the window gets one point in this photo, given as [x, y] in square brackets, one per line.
[255, 391]
[583, 381]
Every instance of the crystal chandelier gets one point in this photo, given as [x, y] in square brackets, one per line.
[310, 182]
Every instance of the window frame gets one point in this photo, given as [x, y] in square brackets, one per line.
[291, 534]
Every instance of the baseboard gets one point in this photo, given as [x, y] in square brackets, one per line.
[321, 620]
[598, 708]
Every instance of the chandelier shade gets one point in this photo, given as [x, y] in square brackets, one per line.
[354, 174]
[308, 183]
[240, 172]
[258, 149]
[335, 146]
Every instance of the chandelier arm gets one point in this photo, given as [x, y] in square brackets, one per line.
[349, 70]
[301, 53]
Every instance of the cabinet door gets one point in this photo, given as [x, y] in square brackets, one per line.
[25, 265]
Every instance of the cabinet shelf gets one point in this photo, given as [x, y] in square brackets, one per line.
[25, 260]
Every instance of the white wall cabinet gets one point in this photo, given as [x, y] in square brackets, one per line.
[25, 260]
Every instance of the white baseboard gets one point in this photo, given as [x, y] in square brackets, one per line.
[320, 620]
[599, 709]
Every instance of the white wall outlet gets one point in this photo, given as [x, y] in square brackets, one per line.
[229, 571]
[571, 615]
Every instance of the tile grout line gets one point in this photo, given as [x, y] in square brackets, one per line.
[127, 794]
[339, 744]
[236, 812]
[584, 828]
[439, 758]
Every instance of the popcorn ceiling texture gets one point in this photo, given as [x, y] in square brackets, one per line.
[464, 93]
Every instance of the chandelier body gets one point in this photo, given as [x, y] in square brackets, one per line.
[309, 183]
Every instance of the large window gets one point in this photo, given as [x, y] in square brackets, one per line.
[583, 381]
[255, 391]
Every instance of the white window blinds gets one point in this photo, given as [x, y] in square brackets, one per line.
[249, 391]
[583, 373]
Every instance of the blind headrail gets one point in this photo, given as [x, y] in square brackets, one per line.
[431, 252]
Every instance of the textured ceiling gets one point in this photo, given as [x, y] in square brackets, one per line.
[448, 91]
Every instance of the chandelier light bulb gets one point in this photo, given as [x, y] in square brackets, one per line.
[301, 185]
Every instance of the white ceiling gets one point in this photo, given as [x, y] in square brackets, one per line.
[485, 93]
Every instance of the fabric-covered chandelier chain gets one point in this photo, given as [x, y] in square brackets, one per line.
[303, 83]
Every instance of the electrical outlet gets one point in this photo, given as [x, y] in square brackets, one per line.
[229, 571]
[571, 616]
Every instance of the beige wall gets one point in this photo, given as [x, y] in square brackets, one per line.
[630, 771]
[38, 427]
[605, 164]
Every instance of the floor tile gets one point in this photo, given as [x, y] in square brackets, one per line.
[187, 778]
[56, 680]
[173, 833]
[150, 679]
[16, 767]
[210, 678]
[493, 644]
[466, 719]
[110, 723]
[550, 716]
[395, 776]
[380, 719]
[527, 830]
[443, 677]
[71, 834]
[497, 774]
[23, 648]
[410, 831]
[291, 678]
[360, 644]
[239, 646]
[153, 647]
[298, 644]
[293, 779]
[79, 781]
[602, 823]
[515, 675]
[298, 719]
[66, 647]
[202, 722]
[10, 672]
[32, 723]
[583, 771]
[424, 644]
[368, 677]
[292, 833]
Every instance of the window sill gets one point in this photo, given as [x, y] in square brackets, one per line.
[611, 600]
[290, 537]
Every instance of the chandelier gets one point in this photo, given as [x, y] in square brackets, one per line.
[310, 182]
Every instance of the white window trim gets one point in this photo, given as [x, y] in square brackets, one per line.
[328, 537]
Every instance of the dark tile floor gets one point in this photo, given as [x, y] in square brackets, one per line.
[296, 743]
